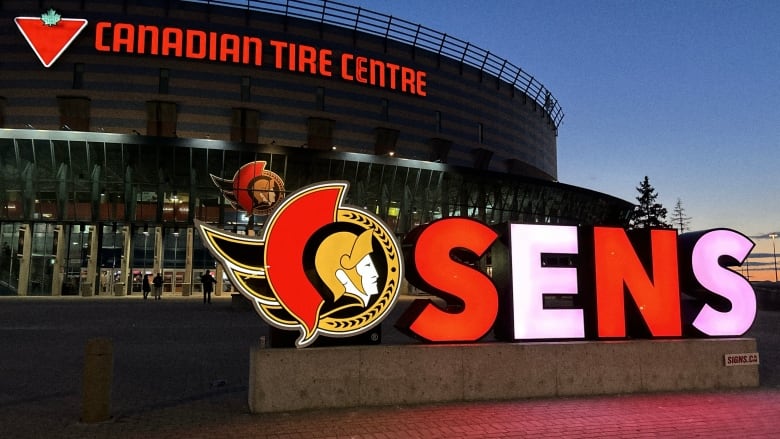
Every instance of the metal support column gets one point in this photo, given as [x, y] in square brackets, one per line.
[186, 289]
[25, 237]
[90, 286]
[58, 271]
[126, 279]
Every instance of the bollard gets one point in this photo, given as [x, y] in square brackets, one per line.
[98, 375]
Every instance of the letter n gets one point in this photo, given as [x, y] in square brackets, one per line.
[642, 289]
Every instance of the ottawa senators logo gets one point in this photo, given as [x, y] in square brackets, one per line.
[253, 189]
[318, 267]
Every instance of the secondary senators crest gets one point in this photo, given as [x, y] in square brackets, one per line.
[319, 267]
[253, 189]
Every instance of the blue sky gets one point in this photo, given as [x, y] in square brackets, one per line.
[685, 92]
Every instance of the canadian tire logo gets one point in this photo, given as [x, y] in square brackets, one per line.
[50, 34]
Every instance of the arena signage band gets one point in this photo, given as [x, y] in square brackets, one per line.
[249, 50]
[49, 35]
[322, 267]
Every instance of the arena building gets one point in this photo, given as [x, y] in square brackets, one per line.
[114, 115]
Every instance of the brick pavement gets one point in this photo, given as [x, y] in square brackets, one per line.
[180, 372]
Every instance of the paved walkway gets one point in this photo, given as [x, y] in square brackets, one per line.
[180, 371]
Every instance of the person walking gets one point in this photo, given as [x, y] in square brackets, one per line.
[208, 282]
[158, 284]
[104, 282]
[146, 286]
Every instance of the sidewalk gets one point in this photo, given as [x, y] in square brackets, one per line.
[180, 371]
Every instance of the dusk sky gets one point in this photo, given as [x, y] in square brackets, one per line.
[684, 92]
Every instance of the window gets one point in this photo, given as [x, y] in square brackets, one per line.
[74, 113]
[482, 158]
[78, 76]
[480, 133]
[161, 118]
[320, 133]
[385, 140]
[438, 122]
[320, 99]
[244, 125]
[384, 111]
[439, 149]
[165, 76]
[2, 112]
[246, 89]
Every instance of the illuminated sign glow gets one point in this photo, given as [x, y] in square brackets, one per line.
[712, 277]
[49, 35]
[461, 286]
[531, 280]
[253, 189]
[196, 44]
[618, 265]
[322, 267]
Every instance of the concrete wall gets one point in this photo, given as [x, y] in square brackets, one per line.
[297, 379]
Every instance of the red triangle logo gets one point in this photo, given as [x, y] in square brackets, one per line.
[49, 42]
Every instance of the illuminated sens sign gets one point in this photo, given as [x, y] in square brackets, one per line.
[223, 47]
[325, 268]
[563, 282]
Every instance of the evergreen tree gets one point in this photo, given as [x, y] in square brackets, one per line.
[648, 213]
[679, 220]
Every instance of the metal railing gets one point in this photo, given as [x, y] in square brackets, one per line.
[390, 27]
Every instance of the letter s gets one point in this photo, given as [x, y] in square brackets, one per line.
[431, 267]
[709, 272]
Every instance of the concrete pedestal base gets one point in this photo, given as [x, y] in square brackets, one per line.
[297, 379]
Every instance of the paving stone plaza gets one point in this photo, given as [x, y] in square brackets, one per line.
[180, 369]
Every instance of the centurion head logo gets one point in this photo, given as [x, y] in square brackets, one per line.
[253, 189]
[319, 267]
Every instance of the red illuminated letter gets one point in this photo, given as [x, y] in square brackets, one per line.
[618, 268]
[325, 62]
[172, 41]
[99, 29]
[247, 52]
[124, 35]
[150, 32]
[196, 44]
[434, 270]
[230, 48]
[407, 80]
[392, 69]
[421, 83]
[279, 47]
[361, 69]
[307, 59]
[345, 60]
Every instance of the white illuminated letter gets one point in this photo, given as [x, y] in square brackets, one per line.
[531, 281]
[723, 282]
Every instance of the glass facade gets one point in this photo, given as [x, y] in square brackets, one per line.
[90, 213]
